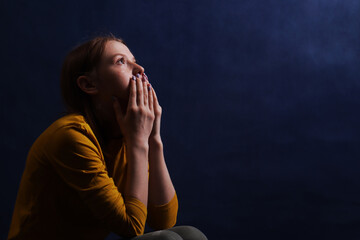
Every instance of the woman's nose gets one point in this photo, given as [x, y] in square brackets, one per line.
[138, 69]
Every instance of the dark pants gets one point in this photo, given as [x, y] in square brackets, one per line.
[175, 233]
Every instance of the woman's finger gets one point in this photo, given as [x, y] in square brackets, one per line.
[146, 92]
[139, 90]
[151, 97]
[146, 77]
[155, 97]
[132, 95]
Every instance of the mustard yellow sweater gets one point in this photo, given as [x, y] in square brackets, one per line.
[68, 191]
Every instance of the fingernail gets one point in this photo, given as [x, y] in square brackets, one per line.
[149, 87]
[138, 75]
[133, 78]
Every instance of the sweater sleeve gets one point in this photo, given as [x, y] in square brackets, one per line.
[163, 216]
[78, 161]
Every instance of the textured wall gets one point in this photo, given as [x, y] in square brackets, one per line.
[260, 104]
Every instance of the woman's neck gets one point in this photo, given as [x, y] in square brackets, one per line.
[107, 124]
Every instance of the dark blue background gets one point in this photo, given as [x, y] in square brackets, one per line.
[260, 104]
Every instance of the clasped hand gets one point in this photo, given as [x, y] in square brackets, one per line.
[141, 122]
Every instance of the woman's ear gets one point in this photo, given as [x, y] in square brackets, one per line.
[87, 84]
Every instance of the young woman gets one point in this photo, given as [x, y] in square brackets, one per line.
[100, 168]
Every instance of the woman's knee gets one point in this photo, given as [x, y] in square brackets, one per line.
[189, 233]
[159, 235]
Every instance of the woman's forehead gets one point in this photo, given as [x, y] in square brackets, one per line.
[114, 47]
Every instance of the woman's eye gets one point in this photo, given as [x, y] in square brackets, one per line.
[121, 61]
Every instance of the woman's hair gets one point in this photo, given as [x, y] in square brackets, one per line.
[82, 60]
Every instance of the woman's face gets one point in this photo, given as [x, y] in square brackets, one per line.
[117, 66]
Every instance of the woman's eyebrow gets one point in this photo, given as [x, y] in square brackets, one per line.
[116, 54]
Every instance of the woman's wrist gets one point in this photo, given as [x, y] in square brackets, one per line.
[138, 150]
[156, 151]
[137, 143]
[155, 141]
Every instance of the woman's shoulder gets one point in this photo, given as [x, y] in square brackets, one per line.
[71, 126]
[68, 132]
[69, 121]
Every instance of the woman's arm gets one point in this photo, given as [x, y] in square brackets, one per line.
[76, 158]
[163, 204]
[137, 170]
[136, 126]
[161, 189]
